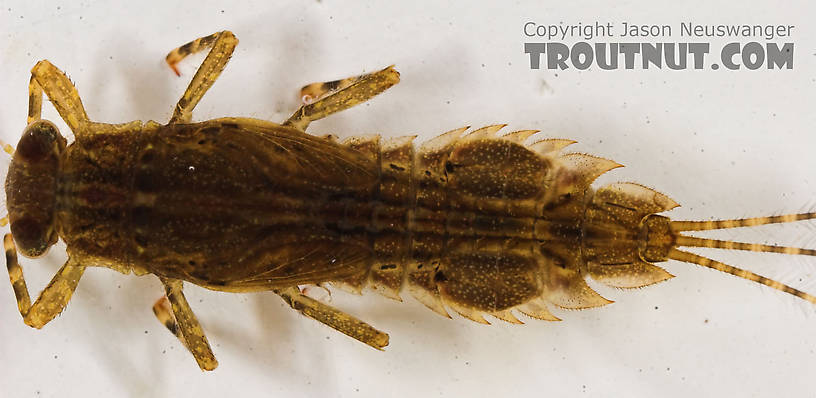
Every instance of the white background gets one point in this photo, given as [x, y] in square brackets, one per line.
[722, 143]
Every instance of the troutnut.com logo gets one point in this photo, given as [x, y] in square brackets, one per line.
[577, 46]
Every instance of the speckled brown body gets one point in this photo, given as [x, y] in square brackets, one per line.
[481, 223]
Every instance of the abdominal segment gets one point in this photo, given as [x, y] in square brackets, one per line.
[483, 224]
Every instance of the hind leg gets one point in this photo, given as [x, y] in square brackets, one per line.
[222, 45]
[323, 99]
[334, 318]
[313, 92]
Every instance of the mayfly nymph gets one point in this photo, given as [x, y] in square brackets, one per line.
[478, 223]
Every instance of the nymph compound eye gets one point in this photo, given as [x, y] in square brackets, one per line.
[33, 237]
[40, 139]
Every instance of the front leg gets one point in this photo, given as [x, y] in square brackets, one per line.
[53, 299]
[45, 77]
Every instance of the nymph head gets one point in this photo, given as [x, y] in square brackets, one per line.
[31, 186]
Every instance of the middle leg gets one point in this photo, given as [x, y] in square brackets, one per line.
[186, 326]
[164, 313]
[223, 44]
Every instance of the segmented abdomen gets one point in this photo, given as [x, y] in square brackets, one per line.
[485, 224]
